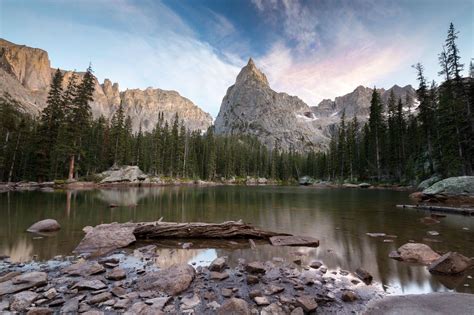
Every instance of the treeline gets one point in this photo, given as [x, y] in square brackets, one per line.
[65, 142]
[395, 145]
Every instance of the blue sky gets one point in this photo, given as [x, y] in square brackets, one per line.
[312, 49]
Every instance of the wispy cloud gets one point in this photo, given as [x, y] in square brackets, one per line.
[327, 50]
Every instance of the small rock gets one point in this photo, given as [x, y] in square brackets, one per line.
[118, 291]
[252, 279]
[190, 302]
[213, 305]
[187, 245]
[56, 302]
[219, 275]
[297, 311]
[22, 300]
[218, 264]
[261, 300]
[51, 293]
[349, 296]
[315, 264]
[364, 275]
[90, 285]
[255, 293]
[71, 306]
[116, 274]
[307, 303]
[122, 303]
[255, 267]
[158, 302]
[225, 292]
[273, 309]
[395, 255]
[297, 261]
[417, 253]
[274, 289]
[376, 234]
[101, 297]
[84, 268]
[234, 306]
[39, 311]
[433, 233]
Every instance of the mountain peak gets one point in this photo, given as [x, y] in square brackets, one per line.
[251, 73]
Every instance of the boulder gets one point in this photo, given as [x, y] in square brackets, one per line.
[255, 267]
[172, 280]
[234, 306]
[23, 282]
[306, 180]
[364, 275]
[417, 253]
[130, 174]
[364, 185]
[450, 263]
[106, 237]
[218, 264]
[461, 185]
[428, 182]
[47, 225]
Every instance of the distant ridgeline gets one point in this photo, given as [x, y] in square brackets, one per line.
[59, 124]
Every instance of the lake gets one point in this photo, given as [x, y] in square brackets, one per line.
[339, 218]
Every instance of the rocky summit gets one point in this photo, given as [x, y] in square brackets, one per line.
[251, 107]
[357, 103]
[26, 73]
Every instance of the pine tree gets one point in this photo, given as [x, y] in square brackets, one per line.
[376, 127]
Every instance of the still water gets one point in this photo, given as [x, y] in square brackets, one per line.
[339, 218]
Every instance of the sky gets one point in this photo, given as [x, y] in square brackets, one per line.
[315, 49]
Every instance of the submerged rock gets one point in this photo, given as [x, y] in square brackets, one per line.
[292, 240]
[47, 225]
[417, 253]
[364, 275]
[450, 263]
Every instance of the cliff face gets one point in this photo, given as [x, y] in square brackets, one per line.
[252, 107]
[356, 103]
[25, 73]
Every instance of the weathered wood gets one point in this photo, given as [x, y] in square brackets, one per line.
[229, 229]
[290, 240]
[458, 210]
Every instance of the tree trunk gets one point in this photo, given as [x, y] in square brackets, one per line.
[71, 168]
[10, 173]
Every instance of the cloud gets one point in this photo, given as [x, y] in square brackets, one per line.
[327, 50]
[137, 46]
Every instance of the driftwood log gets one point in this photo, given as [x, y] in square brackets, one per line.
[107, 237]
[446, 209]
[229, 229]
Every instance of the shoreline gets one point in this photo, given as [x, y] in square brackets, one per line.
[132, 282]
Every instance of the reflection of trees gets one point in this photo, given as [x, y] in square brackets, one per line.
[21, 250]
[338, 218]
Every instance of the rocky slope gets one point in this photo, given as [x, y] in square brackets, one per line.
[252, 107]
[357, 103]
[25, 73]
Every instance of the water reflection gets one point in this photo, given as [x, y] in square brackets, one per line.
[339, 218]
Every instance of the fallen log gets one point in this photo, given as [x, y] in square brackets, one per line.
[107, 237]
[229, 229]
[458, 210]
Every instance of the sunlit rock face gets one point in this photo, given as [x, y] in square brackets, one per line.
[25, 73]
[357, 103]
[276, 119]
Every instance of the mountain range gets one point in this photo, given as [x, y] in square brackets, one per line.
[250, 106]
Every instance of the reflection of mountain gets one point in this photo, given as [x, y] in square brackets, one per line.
[20, 251]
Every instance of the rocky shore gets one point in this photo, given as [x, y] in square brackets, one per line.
[130, 282]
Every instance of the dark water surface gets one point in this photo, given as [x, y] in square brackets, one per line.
[339, 218]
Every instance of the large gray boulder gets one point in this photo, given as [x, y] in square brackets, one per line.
[429, 181]
[130, 174]
[461, 185]
[47, 225]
